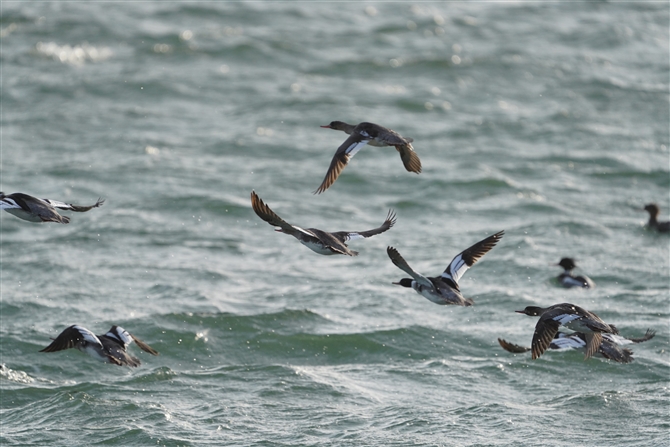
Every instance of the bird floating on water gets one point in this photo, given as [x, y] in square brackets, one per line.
[33, 209]
[444, 289]
[567, 279]
[572, 317]
[359, 136]
[108, 348]
[319, 241]
[654, 210]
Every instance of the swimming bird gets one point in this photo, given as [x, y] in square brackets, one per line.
[107, 348]
[610, 347]
[359, 136]
[33, 209]
[444, 289]
[566, 279]
[572, 317]
[317, 240]
[654, 210]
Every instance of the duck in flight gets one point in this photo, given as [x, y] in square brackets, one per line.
[572, 317]
[444, 289]
[108, 348]
[319, 241]
[359, 136]
[610, 347]
[33, 209]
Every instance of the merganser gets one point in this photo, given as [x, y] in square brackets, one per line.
[654, 210]
[444, 288]
[107, 348]
[319, 241]
[33, 209]
[609, 347]
[566, 279]
[572, 317]
[359, 136]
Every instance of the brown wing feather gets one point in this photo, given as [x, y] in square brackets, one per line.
[593, 340]
[143, 346]
[264, 212]
[409, 158]
[474, 253]
[388, 223]
[67, 339]
[511, 347]
[83, 209]
[545, 330]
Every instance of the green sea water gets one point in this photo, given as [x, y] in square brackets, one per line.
[547, 120]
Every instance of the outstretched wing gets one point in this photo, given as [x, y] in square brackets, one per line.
[143, 346]
[71, 207]
[71, 338]
[344, 153]
[409, 158]
[545, 330]
[511, 347]
[264, 212]
[353, 235]
[400, 262]
[468, 257]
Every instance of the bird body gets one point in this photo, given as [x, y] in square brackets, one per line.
[360, 135]
[572, 317]
[654, 210]
[34, 209]
[444, 289]
[568, 280]
[319, 241]
[108, 348]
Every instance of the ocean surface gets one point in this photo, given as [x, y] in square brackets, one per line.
[547, 120]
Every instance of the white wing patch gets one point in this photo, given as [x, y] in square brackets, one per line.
[354, 236]
[120, 334]
[564, 319]
[57, 204]
[569, 342]
[88, 335]
[456, 269]
[8, 203]
[354, 148]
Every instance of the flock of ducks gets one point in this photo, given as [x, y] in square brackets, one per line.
[590, 332]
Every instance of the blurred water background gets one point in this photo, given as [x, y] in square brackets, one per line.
[547, 120]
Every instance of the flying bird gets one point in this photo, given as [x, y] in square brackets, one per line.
[108, 348]
[444, 289]
[359, 136]
[33, 209]
[319, 241]
[572, 317]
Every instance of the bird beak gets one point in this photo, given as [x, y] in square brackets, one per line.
[326, 127]
[396, 283]
[520, 311]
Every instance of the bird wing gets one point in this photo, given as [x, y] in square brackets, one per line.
[409, 158]
[593, 340]
[545, 330]
[264, 212]
[468, 257]
[71, 338]
[400, 262]
[647, 336]
[511, 347]
[344, 153]
[71, 207]
[353, 235]
[143, 346]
